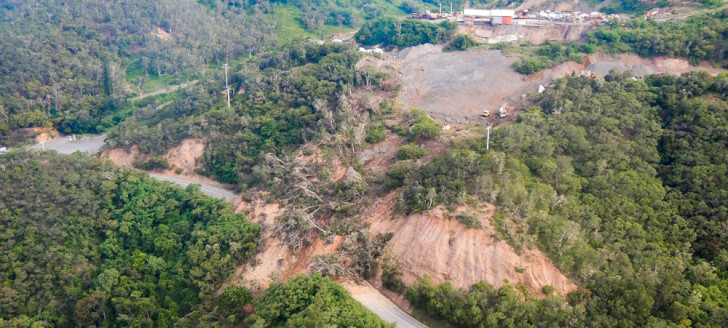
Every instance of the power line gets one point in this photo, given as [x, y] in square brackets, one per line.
[227, 87]
[487, 139]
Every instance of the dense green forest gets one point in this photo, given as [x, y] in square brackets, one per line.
[621, 182]
[283, 101]
[71, 64]
[310, 302]
[404, 33]
[85, 243]
[64, 63]
[697, 38]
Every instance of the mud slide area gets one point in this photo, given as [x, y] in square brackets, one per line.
[535, 31]
[430, 244]
[601, 64]
[183, 157]
[456, 87]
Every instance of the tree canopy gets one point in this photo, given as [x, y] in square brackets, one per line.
[620, 182]
[86, 243]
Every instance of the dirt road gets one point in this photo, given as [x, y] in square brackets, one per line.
[373, 300]
[169, 89]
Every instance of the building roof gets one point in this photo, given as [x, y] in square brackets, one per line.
[489, 12]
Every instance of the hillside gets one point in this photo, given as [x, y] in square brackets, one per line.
[573, 182]
[71, 65]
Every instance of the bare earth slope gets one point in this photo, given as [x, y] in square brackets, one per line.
[430, 244]
[458, 86]
[183, 156]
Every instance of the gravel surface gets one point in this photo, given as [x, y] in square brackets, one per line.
[457, 86]
[83, 144]
[603, 68]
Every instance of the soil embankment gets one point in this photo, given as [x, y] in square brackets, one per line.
[601, 64]
[430, 244]
[183, 156]
[535, 31]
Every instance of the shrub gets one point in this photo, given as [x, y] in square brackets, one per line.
[461, 42]
[470, 222]
[410, 152]
[392, 278]
[398, 174]
[398, 130]
[529, 65]
[232, 299]
[376, 134]
[153, 163]
[548, 290]
[424, 126]
[178, 170]
[34, 118]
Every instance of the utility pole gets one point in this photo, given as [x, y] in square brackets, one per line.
[440, 9]
[450, 7]
[487, 139]
[227, 87]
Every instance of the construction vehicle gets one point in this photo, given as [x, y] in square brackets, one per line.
[502, 112]
[486, 113]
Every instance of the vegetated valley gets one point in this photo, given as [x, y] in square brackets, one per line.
[356, 146]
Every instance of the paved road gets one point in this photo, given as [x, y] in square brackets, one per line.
[64, 146]
[373, 300]
[165, 90]
[206, 189]
[367, 295]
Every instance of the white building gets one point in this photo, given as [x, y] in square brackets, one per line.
[488, 13]
[497, 16]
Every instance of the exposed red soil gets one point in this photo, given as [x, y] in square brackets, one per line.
[430, 244]
[183, 156]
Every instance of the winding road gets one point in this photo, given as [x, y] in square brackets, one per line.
[373, 300]
[206, 189]
[367, 295]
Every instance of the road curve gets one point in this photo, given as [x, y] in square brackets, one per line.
[373, 300]
[367, 295]
[206, 189]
